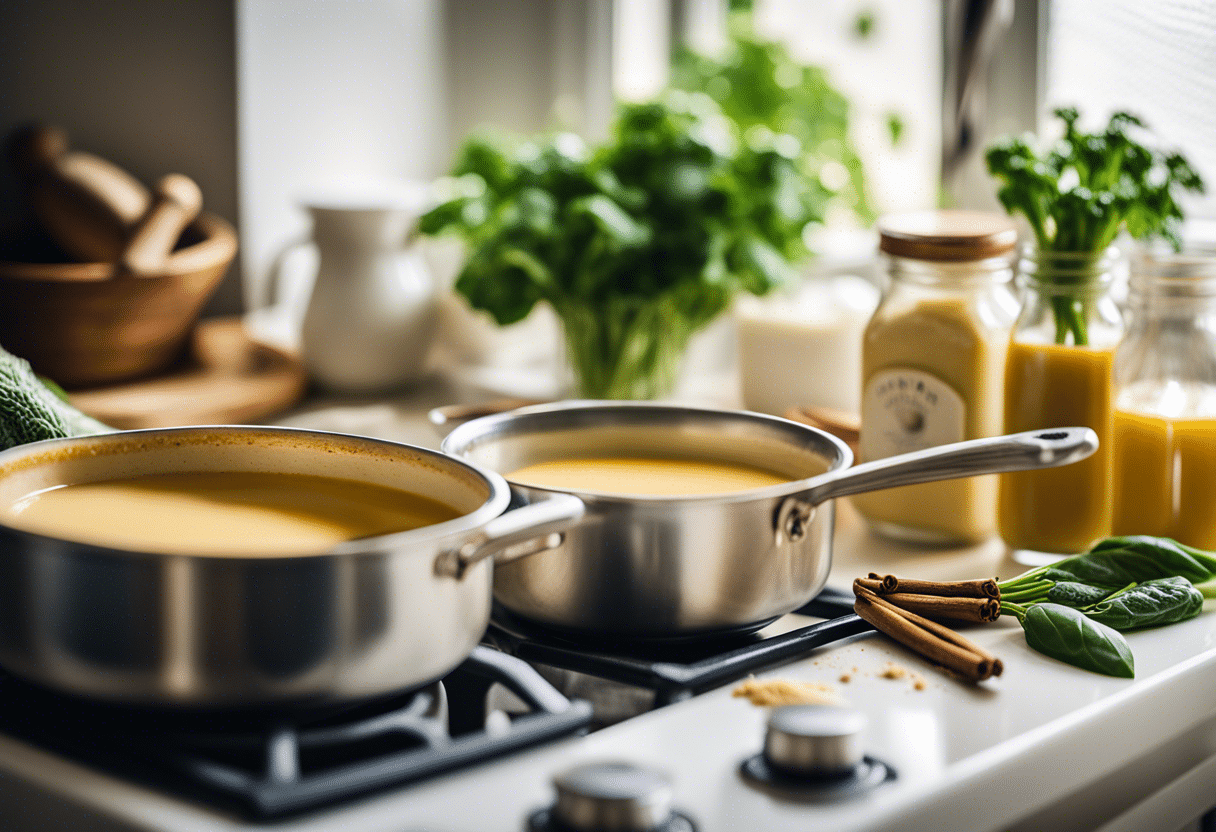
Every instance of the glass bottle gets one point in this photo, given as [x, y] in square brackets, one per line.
[1058, 374]
[1165, 401]
[933, 359]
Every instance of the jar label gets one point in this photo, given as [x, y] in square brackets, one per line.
[906, 410]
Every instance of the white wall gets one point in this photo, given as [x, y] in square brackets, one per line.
[332, 90]
[898, 68]
[1156, 59]
[357, 89]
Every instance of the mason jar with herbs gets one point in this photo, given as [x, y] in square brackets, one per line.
[1058, 374]
[933, 360]
[1164, 426]
[1076, 195]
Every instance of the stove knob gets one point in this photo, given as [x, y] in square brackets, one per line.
[815, 740]
[612, 797]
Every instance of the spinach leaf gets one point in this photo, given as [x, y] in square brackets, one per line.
[1119, 561]
[1078, 595]
[1068, 635]
[1150, 604]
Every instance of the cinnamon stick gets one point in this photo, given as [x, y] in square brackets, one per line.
[965, 663]
[974, 610]
[869, 583]
[887, 583]
[945, 633]
[955, 589]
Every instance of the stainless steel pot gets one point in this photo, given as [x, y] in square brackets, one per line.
[374, 615]
[679, 566]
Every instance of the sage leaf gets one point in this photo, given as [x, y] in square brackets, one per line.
[1150, 604]
[1076, 595]
[1068, 635]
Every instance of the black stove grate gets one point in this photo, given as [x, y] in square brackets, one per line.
[267, 767]
[678, 671]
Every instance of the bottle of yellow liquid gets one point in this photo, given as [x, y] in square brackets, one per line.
[1164, 445]
[933, 359]
[1058, 374]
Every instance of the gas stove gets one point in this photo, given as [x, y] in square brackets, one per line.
[1044, 747]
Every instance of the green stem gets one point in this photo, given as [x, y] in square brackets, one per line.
[1030, 576]
[628, 350]
[1029, 592]
[1016, 610]
[1132, 585]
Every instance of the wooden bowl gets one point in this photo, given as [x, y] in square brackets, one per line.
[82, 324]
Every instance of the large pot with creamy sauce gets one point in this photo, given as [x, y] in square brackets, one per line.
[697, 520]
[248, 566]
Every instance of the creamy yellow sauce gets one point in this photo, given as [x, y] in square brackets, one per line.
[226, 513]
[645, 477]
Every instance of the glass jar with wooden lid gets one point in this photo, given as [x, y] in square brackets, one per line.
[933, 365]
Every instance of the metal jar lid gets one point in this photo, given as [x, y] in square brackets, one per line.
[612, 797]
[947, 235]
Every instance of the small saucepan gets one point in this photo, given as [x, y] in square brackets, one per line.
[371, 616]
[674, 567]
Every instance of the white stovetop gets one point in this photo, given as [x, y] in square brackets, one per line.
[969, 758]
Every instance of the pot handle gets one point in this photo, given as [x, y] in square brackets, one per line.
[1047, 448]
[515, 534]
[447, 418]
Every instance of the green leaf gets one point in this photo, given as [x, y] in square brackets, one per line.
[1150, 604]
[1076, 595]
[1068, 635]
[1119, 561]
[863, 24]
[611, 219]
[1091, 186]
[30, 410]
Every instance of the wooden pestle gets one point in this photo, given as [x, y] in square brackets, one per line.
[86, 204]
[176, 202]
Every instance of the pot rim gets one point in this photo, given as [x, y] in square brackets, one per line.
[463, 437]
[494, 505]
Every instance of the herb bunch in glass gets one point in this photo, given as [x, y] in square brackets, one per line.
[1079, 194]
[637, 243]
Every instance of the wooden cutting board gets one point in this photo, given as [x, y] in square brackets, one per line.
[228, 378]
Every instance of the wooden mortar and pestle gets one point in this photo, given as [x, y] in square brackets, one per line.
[96, 211]
[126, 310]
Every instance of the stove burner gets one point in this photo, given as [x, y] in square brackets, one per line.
[269, 764]
[869, 774]
[675, 671]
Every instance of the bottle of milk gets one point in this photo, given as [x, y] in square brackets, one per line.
[802, 348]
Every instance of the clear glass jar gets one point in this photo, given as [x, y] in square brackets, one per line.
[1058, 374]
[933, 358]
[1164, 428]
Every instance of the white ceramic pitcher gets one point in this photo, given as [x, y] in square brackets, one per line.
[373, 312]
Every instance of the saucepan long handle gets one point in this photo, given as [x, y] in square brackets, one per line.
[517, 533]
[1047, 448]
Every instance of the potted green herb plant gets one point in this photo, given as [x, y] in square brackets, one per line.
[1077, 197]
[637, 243]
